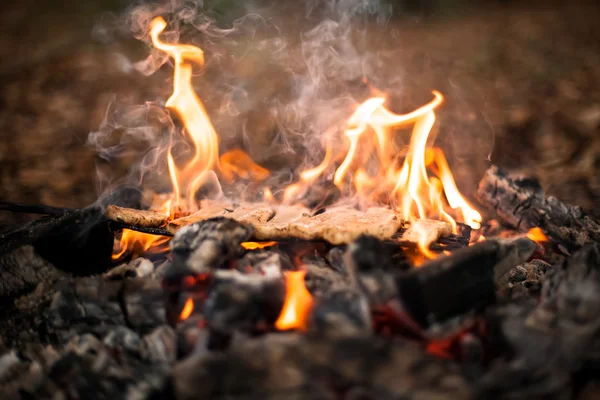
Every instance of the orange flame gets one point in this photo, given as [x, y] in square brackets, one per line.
[423, 187]
[138, 242]
[416, 194]
[257, 245]
[188, 106]
[188, 308]
[537, 235]
[297, 304]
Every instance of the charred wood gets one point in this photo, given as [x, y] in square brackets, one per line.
[521, 203]
[78, 243]
[461, 282]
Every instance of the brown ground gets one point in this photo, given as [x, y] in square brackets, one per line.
[522, 83]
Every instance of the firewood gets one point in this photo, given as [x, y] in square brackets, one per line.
[521, 203]
[141, 218]
[336, 225]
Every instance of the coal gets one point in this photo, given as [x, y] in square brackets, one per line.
[463, 281]
[206, 245]
[243, 302]
[295, 366]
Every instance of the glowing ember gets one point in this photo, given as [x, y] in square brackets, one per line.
[297, 305]
[138, 243]
[257, 245]
[188, 308]
[537, 235]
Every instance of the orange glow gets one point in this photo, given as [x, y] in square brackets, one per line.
[537, 235]
[236, 163]
[138, 243]
[257, 245]
[297, 305]
[188, 308]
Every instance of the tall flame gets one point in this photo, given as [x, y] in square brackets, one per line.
[186, 103]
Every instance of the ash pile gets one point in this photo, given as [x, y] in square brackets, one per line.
[506, 317]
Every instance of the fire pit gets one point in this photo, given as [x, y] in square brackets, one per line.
[367, 274]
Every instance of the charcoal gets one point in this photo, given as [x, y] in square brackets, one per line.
[521, 203]
[206, 245]
[374, 264]
[267, 262]
[341, 313]
[93, 305]
[294, 366]
[524, 281]
[550, 340]
[120, 366]
[463, 281]
[139, 267]
[244, 302]
[320, 279]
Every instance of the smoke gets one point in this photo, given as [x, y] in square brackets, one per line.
[277, 77]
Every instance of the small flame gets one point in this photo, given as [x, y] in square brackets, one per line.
[238, 163]
[297, 304]
[537, 235]
[138, 242]
[257, 245]
[188, 308]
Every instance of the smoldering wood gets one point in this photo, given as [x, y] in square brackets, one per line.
[521, 203]
[78, 243]
[463, 281]
[243, 302]
[296, 366]
[205, 245]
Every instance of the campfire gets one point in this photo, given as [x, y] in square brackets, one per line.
[367, 275]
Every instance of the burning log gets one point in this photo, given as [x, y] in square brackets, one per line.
[521, 202]
[463, 281]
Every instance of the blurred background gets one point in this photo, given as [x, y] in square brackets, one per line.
[521, 80]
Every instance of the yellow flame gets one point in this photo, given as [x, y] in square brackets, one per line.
[187, 310]
[190, 109]
[138, 243]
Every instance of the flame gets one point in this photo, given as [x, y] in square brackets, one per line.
[138, 242]
[537, 235]
[415, 193]
[423, 187]
[297, 304]
[187, 310]
[257, 245]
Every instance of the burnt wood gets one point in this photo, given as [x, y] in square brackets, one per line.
[78, 243]
[464, 281]
[521, 202]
